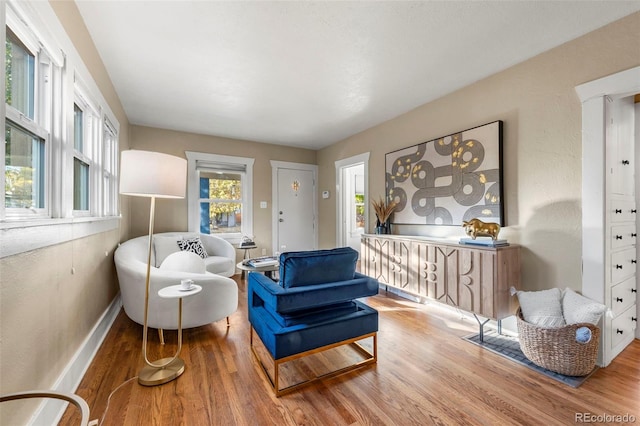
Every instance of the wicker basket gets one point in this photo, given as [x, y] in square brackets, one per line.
[556, 349]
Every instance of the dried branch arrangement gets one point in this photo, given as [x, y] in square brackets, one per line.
[382, 209]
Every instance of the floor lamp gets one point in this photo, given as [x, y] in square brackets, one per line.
[153, 175]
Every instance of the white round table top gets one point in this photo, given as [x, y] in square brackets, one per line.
[176, 291]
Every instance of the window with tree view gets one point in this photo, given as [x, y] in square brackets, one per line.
[220, 202]
[359, 210]
[24, 169]
[24, 153]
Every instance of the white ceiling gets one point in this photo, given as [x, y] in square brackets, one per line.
[310, 74]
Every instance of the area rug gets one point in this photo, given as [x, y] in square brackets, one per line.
[509, 347]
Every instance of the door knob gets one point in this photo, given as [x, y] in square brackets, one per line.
[281, 220]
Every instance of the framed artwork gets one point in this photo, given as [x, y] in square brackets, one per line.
[448, 180]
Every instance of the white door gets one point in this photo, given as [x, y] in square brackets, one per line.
[295, 209]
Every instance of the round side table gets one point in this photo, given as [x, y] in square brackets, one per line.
[167, 369]
[267, 270]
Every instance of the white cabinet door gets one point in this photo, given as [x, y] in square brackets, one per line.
[620, 137]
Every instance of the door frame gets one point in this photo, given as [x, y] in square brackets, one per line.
[340, 207]
[275, 203]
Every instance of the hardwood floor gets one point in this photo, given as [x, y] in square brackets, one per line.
[426, 374]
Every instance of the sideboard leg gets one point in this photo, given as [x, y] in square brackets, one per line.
[481, 326]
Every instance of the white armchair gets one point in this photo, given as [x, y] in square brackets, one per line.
[217, 300]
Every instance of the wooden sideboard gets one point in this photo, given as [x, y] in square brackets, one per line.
[475, 279]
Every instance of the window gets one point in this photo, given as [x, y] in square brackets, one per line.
[20, 76]
[359, 210]
[61, 137]
[110, 168]
[220, 195]
[220, 202]
[26, 137]
[86, 160]
[80, 167]
[24, 186]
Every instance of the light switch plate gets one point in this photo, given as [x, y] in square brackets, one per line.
[263, 204]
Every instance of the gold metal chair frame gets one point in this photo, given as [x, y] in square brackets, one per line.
[76, 400]
[370, 358]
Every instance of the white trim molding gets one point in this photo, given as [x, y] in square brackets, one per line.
[340, 207]
[594, 96]
[51, 411]
[193, 189]
[32, 235]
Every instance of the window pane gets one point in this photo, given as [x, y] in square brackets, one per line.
[20, 76]
[78, 135]
[80, 185]
[220, 218]
[24, 169]
[108, 168]
[223, 211]
[359, 210]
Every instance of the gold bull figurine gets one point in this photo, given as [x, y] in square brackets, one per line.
[476, 227]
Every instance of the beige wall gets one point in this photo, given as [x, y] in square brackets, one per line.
[542, 147]
[46, 310]
[171, 215]
[47, 316]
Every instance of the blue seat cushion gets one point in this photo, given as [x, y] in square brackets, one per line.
[264, 291]
[302, 268]
[313, 315]
[282, 341]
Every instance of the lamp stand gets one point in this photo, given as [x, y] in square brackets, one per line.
[165, 369]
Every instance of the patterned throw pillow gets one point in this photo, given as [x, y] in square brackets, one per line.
[194, 245]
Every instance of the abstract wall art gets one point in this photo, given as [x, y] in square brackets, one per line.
[448, 180]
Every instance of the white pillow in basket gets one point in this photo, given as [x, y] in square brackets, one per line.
[543, 308]
[578, 309]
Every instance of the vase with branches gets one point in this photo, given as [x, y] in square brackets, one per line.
[383, 213]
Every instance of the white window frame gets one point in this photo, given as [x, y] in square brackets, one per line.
[193, 192]
[60, 75]
[91, 153]
[40, 125]
[341, 210]
[109, 199]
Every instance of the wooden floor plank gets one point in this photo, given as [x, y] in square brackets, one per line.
[426, 374]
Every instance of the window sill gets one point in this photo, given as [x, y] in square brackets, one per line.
[28, 235]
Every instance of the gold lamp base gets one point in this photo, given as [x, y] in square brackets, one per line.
[154, 376]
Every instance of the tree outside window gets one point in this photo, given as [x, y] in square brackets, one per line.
[359, 210]
[224, 194]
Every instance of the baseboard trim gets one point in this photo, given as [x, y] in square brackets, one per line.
[72, 375]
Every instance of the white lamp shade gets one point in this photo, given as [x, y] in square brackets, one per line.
[152, 174]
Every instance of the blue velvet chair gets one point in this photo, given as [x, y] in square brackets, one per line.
[312, 308]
